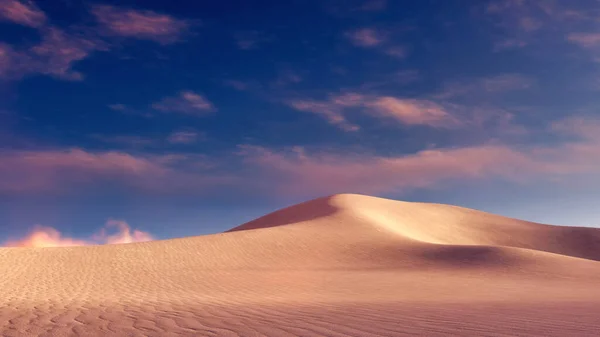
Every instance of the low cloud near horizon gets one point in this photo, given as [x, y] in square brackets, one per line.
[113, 232]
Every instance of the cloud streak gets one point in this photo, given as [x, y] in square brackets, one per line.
[365, 37]
[22, 12]
[299, 172]
[140, 24]
[186, 102]
[75, 171]
[53, 56]
[404, 111]
[114, 232]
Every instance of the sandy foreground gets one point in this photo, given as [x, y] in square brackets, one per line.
[346, 265]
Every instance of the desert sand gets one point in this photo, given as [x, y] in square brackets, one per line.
[345, 265]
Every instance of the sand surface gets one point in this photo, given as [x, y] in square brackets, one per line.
[346, 265]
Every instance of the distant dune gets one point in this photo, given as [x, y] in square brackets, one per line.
[345, 265]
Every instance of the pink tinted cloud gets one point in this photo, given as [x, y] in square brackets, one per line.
[397, 52]
[365, 37]
[331, 111]
[492, 85]
[412, 111]
[405, 111]
[324, 173]
[22, 12]
[55, 55]
[183, 137]
[7, 59]
[42, 236]
[114, 232]
[140, 24]
[121, 233]
[25, 171]
[186, 102]
[79, 171]
[586, 40]
[298, 172]
[58, 51]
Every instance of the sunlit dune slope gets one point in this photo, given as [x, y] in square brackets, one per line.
[342, 232]
[436, 223]
[306, 269]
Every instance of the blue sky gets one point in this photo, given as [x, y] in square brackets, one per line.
[187, 118]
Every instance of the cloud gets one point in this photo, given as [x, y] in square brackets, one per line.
[485, 86]
[124, 234]
[287, 77]
[295, 171]
[331, 111]
[248, 40]
[533, 22]
[187, 102]
[237, 85]
[117, 107]
[298, 171]
[365, 37]
[22, 12]
[183, 137]
[74, 171]
[42, 237]
[25, 171]
[412, 111]
[405, 111]
[585, 40]
[53, 56]
[397, 51]
[57, 52]
[140, 24]
[131, 141]
[509, 43]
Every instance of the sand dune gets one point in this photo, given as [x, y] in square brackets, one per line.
[346, 265]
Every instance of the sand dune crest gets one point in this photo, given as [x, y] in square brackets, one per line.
[327, 267]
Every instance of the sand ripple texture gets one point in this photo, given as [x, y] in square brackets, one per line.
[345, 265]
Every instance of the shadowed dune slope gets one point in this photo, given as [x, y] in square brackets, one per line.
[327, 267]
[341, 232]
[437, 224]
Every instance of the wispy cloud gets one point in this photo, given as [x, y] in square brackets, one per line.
[140, 24]
[301, 172]
[58, 51]
[586, 40]
[75, 171]
[184, 137]
[187, 102]
[287, 77]
[412, 111]
[397, 51]
[533, 22]
[237, 84]
[246, 40]
[376, 39]
[114, 232]
[22, 12]
[333, 113]
[55, 56]
[405, 111]
[485, 86]
[129, 141]
[366, 37]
